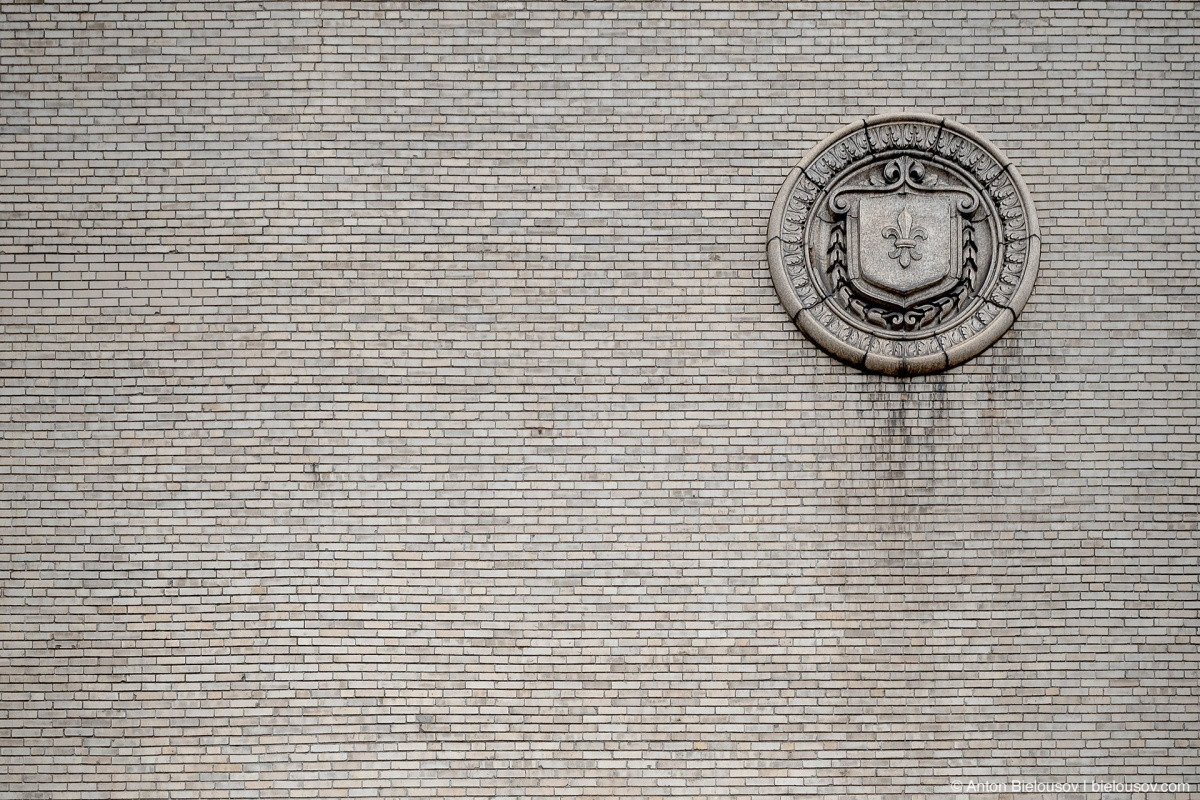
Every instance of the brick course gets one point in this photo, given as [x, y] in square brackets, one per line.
[396, 403]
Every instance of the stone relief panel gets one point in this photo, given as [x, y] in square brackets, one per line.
[904, 244]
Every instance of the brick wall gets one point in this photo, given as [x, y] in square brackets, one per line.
[396, 403]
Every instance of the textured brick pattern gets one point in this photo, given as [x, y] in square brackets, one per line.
[396, 403]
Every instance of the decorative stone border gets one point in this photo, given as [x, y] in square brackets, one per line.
[940, 281]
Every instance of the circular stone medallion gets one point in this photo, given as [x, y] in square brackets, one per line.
[903, 244]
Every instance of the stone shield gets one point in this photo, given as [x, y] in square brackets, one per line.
[904, 245]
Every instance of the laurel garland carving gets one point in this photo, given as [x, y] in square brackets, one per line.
[896, 317]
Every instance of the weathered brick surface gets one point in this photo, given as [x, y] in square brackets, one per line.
[396, 403]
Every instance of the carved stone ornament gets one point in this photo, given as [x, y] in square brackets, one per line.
[903, 244]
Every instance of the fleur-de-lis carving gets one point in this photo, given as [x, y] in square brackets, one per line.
[905, 236]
